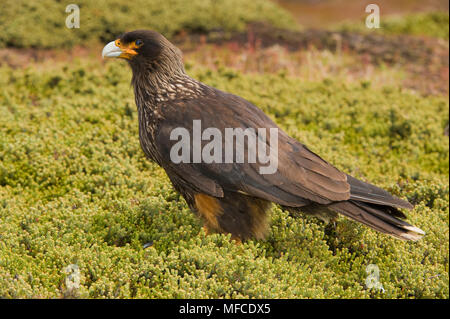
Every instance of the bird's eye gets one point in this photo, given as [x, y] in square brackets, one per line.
[139, 42]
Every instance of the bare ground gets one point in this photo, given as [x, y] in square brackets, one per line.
[426, 60]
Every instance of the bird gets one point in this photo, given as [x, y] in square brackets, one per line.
[230, 196]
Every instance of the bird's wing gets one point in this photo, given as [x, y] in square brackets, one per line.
[300, 177]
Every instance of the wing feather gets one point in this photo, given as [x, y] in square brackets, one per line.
[301, 177]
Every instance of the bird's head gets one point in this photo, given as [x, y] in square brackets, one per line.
[147, 52]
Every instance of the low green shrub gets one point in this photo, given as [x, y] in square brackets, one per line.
[41, 24]
[432, 24]
[75, 188]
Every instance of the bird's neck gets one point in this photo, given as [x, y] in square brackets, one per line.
[161, 85]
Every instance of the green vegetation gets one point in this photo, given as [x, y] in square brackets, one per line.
[41, 24]
[75, 188]
[432, 24]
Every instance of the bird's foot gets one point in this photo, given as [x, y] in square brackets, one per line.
[147, 245]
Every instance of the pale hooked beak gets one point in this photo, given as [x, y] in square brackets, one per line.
[111, 50]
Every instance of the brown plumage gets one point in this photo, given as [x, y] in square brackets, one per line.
[234, 197]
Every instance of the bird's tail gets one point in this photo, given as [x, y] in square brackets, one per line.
[379, 217]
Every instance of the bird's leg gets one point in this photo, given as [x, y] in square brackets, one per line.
[331, 228]
[236, 240]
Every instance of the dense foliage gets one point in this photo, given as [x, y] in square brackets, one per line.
[41, 24]
[432, 24]
[75, 188]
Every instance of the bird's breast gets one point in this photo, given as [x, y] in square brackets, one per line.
[148, 123]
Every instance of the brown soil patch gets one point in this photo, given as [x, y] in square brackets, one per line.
[426, 60]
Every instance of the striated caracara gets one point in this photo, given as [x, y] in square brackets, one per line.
[233, 193]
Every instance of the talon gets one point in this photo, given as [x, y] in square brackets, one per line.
[147, 245]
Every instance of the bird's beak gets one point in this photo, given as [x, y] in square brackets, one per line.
[115, 49]
[111, 50]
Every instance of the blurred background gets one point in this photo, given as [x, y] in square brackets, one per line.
[262, 35]
[326, 13]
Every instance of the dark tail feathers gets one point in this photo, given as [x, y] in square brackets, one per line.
[368, 193]
[377, 209]
[378, 217]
